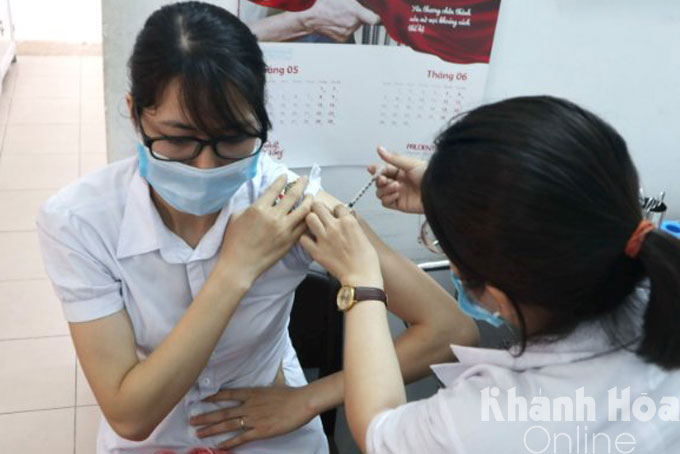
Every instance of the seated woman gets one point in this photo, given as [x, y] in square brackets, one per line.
[176, 268]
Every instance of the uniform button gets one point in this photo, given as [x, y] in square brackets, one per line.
[206, 381]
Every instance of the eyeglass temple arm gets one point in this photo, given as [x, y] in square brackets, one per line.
[438, 265]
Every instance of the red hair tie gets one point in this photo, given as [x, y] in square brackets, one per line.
[635, 241]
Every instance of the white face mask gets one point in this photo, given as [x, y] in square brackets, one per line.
[192, 190]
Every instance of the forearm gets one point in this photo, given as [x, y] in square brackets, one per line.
[416, 350]
[280, 27]
[373, 381]
[151, 389]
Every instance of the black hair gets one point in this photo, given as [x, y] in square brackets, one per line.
[539, 197]
[215, 58]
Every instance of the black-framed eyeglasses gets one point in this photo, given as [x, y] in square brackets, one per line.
[187, 148]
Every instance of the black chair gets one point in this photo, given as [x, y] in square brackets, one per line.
[316, 330]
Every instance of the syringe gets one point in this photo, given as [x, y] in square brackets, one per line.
[363, 190]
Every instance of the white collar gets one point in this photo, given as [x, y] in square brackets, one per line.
[587, 341]
[137, 232]
[142, 229]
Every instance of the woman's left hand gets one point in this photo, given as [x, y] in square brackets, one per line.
[340, 245]
[266, 413]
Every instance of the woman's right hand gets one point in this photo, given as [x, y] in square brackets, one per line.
[338, 243]
[398, 185]
[258, 237]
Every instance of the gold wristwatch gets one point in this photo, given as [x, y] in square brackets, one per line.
[348, 296]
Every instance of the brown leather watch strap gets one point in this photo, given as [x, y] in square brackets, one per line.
[369, 293]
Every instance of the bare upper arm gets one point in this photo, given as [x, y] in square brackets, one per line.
[107, 352]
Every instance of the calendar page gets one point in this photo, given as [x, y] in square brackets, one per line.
[334, 105]
[369, 73]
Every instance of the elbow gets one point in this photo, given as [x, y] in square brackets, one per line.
[131, 433]
[131, 430]
[454, 327]
[129, 421]
[358, 427]
[462, 331]
[359, 435]
[454, 330]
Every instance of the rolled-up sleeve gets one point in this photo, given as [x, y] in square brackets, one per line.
[85, 286]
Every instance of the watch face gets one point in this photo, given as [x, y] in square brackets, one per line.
[345, 298]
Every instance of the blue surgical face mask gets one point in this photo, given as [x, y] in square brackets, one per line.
[192, 190]
[472, 309]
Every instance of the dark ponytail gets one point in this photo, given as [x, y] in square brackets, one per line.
[660, 257]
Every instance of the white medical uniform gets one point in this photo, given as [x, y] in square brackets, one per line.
[106, 249]
[457, 421]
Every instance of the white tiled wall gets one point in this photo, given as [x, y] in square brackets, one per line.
[74, 21]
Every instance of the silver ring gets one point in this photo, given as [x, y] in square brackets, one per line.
[242, 422]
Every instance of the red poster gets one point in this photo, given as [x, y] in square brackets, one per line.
[287, 5]
[457, 31]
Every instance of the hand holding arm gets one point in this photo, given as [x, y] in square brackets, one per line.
[341, 247]
[434, 320]
[372, 376]
[259, 236]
